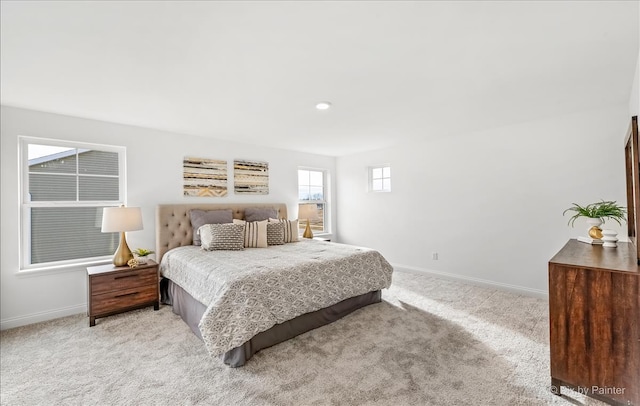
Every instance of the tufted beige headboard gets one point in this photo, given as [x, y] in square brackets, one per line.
[173, 225]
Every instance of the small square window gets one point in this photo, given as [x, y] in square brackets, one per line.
[380, 178]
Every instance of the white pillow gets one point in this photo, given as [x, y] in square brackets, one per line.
[255, 233]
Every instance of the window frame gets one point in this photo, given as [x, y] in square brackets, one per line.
[371, 178]
[26, 205]
[326, 221]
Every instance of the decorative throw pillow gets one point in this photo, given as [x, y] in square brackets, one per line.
[202, 217]
[255, 233]
[259, 213]
[290, 229]
[226, 236]
[275, 233]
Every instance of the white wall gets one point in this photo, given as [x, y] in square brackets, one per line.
[154, 175]
[490, 203]
[634, 100]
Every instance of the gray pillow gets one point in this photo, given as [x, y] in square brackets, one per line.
[260, 213]
[202, 217]
[222, 237]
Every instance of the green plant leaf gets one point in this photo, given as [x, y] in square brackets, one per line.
[142, 252]
[600, 210]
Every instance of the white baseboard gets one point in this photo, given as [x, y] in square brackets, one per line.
[42, 316]
[474, 281]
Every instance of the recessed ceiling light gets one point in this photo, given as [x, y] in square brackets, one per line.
[323, 106]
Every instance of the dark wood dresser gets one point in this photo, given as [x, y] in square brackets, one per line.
[113, 290]
[594, 315]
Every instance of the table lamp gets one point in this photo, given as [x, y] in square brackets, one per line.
[121, 219]
[309, 212]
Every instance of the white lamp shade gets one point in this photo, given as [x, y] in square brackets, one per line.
[118, 219]
[308, 211]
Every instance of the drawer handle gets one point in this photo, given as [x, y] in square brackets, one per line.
[127, 294]
[126, 276]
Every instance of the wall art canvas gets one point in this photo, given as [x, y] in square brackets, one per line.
[205, 177]
[251, 177]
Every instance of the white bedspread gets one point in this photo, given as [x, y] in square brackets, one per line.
[247, 292]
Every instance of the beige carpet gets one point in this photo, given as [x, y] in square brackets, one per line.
[430, 342]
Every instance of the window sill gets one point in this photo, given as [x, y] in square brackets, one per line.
[325, 239]
[328, 235]
[55, 269]
[319, 236]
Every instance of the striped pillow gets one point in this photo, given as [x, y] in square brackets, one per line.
[227, 236]
[290, 229]
[275, 233]
[255, 233]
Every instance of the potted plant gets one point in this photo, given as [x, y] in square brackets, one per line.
[141, 254]
[596, 213]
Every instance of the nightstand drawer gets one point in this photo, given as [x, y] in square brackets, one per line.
[122, 299]
[113, 290]
[119, 281]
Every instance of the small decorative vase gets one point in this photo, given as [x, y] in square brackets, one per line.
[594, 228]
[141, 260]
[609, 238]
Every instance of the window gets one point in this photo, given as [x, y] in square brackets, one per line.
[312, 199]
[64, 187]
[380, 178]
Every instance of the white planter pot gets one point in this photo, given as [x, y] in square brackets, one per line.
[141, 260]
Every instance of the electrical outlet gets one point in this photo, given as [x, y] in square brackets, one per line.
[434, 256]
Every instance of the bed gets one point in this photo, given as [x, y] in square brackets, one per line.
[239, 302]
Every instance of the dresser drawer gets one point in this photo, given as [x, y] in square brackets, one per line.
[122, 299]
[118, 281]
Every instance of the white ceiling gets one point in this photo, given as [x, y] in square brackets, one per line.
[253, 71]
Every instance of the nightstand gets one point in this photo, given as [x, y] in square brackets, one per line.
[326, 239]
[112, 290]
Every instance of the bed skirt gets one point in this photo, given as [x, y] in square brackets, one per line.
[191, 312]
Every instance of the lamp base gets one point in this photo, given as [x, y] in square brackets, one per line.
[123, 254]
[307, 231]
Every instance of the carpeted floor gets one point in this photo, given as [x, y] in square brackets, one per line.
[430, 342]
